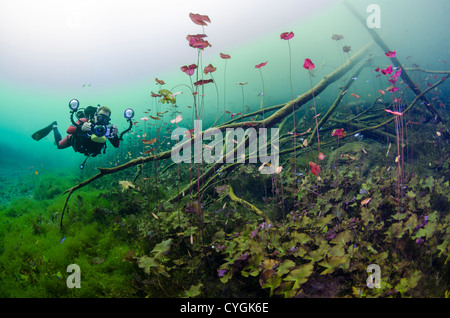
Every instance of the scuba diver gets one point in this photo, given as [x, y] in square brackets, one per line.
[89, 133]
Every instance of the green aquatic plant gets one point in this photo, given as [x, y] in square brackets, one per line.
[316, 242]
[35, 256]
[225, 57]
[166, 97]
[232, 251]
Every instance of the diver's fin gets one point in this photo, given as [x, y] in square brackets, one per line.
[38, 135]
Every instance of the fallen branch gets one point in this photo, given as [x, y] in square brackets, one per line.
[282, 111]
[229, 191]
[335, 104]
[404, 75]
[425, 71]
[418, 97]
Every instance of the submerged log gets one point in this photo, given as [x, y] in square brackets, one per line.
[335, 104]
[404, 75]
[229, 191]
[271, 121]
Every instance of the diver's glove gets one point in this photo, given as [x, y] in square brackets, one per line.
[86, 127]
[114, 132]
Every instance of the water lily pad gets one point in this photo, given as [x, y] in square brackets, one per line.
[332, 263]
[302, 238]
[299, 275]
[285, 267]
[342, 237]
[269, 279]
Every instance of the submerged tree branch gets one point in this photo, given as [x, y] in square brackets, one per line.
[404, 75]
[281, 112]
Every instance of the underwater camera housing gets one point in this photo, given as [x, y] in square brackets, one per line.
[98, 129]
[103, 130]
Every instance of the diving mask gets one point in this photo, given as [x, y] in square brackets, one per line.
[103, 119]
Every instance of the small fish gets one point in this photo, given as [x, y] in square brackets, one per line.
[63, 239]
[354, 95]
[261, 94]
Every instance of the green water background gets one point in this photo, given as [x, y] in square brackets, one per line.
[110, 55]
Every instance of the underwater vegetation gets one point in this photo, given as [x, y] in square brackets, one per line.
[358, 185]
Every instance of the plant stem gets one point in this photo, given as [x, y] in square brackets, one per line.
[315, 114]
